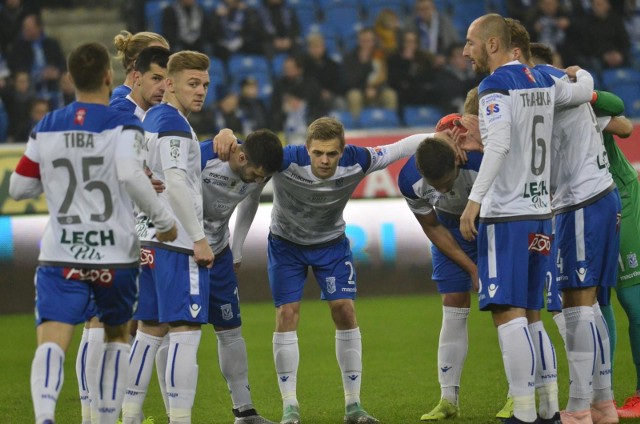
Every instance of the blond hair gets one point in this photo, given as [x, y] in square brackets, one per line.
[326, 128]
[472, 103]
[129, 46]
[187, 60]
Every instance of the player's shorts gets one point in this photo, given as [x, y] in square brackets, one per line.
[628, 270]
[448, 276]
[588, 241]
[554, 295]
[147, 309]
[224, 303]
[64, 294]
[513, 260]
[182, 287]
[92, 310]
[331, 263]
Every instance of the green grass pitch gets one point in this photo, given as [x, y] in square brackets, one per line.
[400, 382]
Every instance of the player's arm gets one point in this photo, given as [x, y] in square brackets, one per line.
[383, 156]
[606, 104]
[244, 218]
[25, 182]
[442, 238]
[574, 94]
[620, 126]
[132, 176]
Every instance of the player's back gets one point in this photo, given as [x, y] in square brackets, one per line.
[519, 103]
[91, 214]
[579, 165]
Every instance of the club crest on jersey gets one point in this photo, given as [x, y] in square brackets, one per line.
[174, 149]
[81, 113]
[227, 313]
[540, 243]
[331, 284]
[529, 75]
[632, 260]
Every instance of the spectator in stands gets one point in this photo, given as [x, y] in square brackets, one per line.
[228, 114]
[184, 25]
[42, 57]
[387, 28]
[37, 110]
[294, 80]
[253, 109]
[281, 28]
[520, 9]
[549, 24]
[601, 39]
[11, 16]
[411, 73]
[235, 28]
[364, 72]
[18, 102]
[319, 66]
[454, 82]
[68, 89]
[296, 117]
[133, 14]
[436, 32]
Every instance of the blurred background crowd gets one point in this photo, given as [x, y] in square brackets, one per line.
[280, 64]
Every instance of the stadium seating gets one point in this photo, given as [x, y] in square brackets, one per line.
[153, 14]
[218, 79]
[306, 12]
[374, 117]
[346, 118]
[625, 83]
[422, 116]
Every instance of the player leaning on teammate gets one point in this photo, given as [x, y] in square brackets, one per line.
[87, 160]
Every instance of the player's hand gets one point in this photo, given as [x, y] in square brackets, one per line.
[468, 220]
[467, 134]
[236, 266]
[169, 235]
[157, 184]
[475, 281]
[202, 253]
[572, 71]
[225, 143]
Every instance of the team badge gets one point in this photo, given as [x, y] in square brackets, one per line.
[632, 260]
[227, 313]
[81, 113]
[331, 284]
[529, 75]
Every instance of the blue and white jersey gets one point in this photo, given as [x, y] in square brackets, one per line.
[579, 165]
[308, 210]
[423, 199]
[516, 121]
[92, 221]
[128, 105]
[171, 143]
[120, 91]
[222, 190]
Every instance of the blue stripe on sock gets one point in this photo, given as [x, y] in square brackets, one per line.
[544, 363]
[593, 337]
[553, 352]
[83, 367]
[133, 351]
[600, 346]
[533, 355]
[104, 357]
[144, 358]
[60, 365]
[46, 379]
[173, 365]
[115, 378]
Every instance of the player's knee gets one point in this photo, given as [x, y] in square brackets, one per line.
[117, 333]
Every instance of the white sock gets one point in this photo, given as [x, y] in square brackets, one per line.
[520, 365]
[141, 361]
[349, 355]
[286, 357]
[562, 326]
[602, 375]
[81, 362]
[452, 351]
[232, 357]
[161, 370]
[113, 381]
[92, 368]
[47, 376]
[580, 346]
[546, 371]
[182, 374]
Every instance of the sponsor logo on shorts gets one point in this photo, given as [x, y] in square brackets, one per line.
[540, 243]
[492, 290]
[227, 313]
[147, 257]
[331, 284]
[582, 273]
[195, 310]
[632, 260]
[102, 277]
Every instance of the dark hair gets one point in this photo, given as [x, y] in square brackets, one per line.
[263, 149]
[88, 65]
[541, 53]
[435, 159]
[151, 55]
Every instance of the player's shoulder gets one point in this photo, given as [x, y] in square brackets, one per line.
[123, 104]
[358, 155]
[551, 70]
[119, 92]
[513, 77]
[91, 117]
[206, 153]
[297, 154]
[164, 118]
[408, 176]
